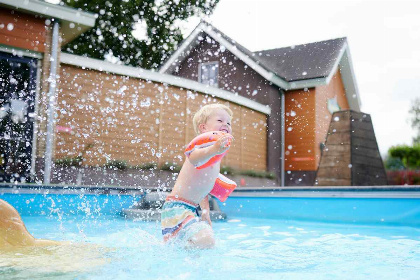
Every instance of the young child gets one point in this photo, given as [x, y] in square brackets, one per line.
[179, 218]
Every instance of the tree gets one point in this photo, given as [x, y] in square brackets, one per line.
[409, 156]
[415, 119]
[116, 20]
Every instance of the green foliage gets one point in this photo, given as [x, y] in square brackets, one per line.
[258, 174]
[227, 170]
[69, 161]
[173, 167]
[117, 164]
[392, 163]
[409, 155]
[147, 166]
[116, 21]
[403, 177]
[77, 160]
[415, 119]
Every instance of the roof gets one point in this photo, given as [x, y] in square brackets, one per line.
[294, 67]
[302, 62]
[73, 22]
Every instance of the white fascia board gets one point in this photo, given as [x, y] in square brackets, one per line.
[337, 62]
[349, 81]
[181, 51]
[140, 73]
[20, 51]
[52, 10]
[358, 104]
[344, 63]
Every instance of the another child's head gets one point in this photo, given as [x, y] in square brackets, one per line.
[213, 117]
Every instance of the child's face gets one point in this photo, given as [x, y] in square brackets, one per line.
[219, 120]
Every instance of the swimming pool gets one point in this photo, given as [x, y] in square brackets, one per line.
[263, 238]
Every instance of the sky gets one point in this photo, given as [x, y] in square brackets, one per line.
[384, 41]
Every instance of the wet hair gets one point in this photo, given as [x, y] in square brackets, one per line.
[202, 115]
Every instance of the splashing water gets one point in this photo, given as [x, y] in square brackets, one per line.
[110, 247]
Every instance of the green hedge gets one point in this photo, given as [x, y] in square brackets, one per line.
[168, 166]
[227, 170]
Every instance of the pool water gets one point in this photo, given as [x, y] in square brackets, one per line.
[111, 247]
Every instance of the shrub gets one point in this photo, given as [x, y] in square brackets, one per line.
[173, 167]
[69, 161]
[75, 161]
[227, 170]
[147, 166]
[392, 163]
[117, 164]
[409, 155]
[258, 174]
[403, 177]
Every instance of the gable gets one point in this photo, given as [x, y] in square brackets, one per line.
[234, 74]
[295, 70]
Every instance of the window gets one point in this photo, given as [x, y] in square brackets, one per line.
[17, 105]
[332, 105]
[208, 73]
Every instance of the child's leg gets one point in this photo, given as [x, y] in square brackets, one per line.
[204, 239]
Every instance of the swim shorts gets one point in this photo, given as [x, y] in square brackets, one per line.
[180, 221]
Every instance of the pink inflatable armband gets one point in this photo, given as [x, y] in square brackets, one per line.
[223, 188]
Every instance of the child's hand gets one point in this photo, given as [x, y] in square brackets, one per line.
[223, 144]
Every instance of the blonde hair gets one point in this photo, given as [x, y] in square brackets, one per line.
[204, 113]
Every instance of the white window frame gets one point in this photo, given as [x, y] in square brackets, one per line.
[209, 63]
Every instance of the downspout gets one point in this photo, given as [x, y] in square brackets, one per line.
[51, 103]
[283, 138]
[35, 122]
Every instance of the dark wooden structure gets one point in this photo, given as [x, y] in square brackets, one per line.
[351, 156]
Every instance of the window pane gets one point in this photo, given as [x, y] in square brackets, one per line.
[209, 73]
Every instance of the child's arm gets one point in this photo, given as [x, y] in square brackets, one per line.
[200, 156]
[205, 210]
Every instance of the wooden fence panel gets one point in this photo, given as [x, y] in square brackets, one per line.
[144, 122]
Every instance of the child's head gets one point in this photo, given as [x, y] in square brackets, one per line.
[213, 117]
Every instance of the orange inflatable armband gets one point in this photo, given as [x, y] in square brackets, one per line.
[205, 140]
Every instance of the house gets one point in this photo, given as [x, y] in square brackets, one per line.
[303, 85]
[31, 34]
[56, 106]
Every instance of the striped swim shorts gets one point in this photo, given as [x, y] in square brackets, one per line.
[179, 219]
